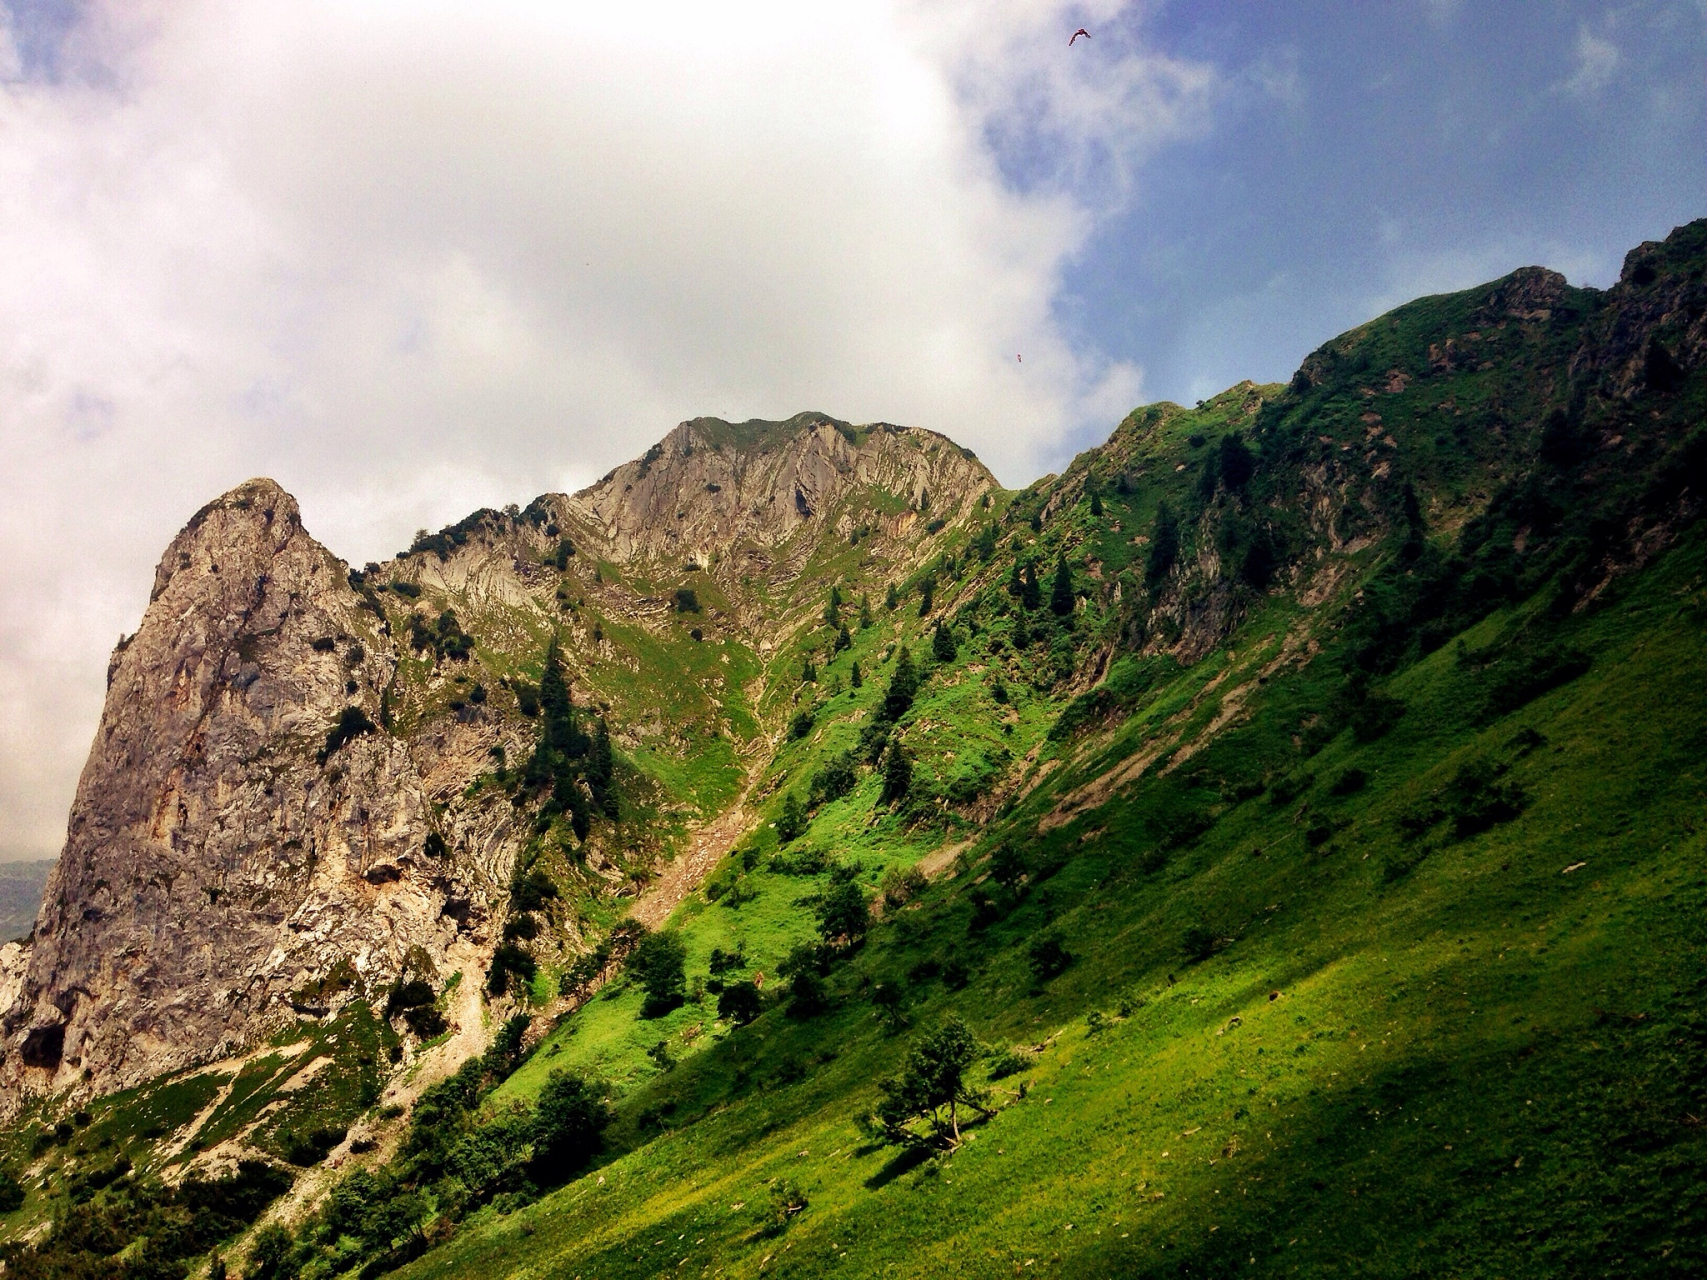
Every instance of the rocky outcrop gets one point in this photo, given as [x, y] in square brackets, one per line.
[227, 866]
[710, 486]
[232, 864]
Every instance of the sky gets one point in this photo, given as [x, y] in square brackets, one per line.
[412, 259]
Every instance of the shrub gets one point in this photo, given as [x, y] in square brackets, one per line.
[901, 885]
[801, 724]
[509, 961]
[1349, 782]
[787, 1199]
[352, 722]
[569, 1125]
[1008, 866]
[687, 600]
[739, 1003]
[659, 962]
[1049, 957]
[835, 779]
[791, 822]
[1198, 943]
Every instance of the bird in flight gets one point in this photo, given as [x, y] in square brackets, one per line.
[1080, 32]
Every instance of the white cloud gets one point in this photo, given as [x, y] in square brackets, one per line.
[413, 258]
[1596, 62]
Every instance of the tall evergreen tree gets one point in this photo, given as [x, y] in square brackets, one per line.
[1031, 592]
[903, 687]
[864, 612]
[856, 680]
[897, 774]
[890, 598]
[943, 648]
[1096, 503]
[1164, 546]
[1016, 581]
[601, 769]
[1061, 598]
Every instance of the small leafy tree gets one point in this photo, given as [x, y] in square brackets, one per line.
[791, 822]
[659, 962]
[930, 1088]
[1049, 957]
[739, 1003]
[842, 913]
[1008, 866]
[569, 1126]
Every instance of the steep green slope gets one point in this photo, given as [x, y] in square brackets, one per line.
[1305, 793]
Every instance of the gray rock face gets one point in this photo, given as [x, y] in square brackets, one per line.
[215, 870]
[230, 867]
[710, 486]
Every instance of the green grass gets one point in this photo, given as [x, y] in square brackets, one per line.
[1483, 1066]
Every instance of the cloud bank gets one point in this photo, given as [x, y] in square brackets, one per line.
[410, 259]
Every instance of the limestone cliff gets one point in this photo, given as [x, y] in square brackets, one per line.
[217, 870]
[232, 864]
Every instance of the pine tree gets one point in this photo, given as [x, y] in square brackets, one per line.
[897, 774]
[1016, 582]
[1061, 599]
[1164, 546]
[927, 595]
[601, 769]
[1096, 503]
[833, 610]
[856, 680]
[808, 673]
[1031, 593]
[843, 640]
[890, 599]
[903, 687]
[864, 612]
[943, 648]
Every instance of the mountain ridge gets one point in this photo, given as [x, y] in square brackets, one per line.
[1287, 712]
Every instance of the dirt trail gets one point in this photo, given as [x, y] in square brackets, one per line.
[688, 870]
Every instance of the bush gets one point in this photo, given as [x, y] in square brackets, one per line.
[659, 963]
[791, 822]
[739, 1003]
[569, 1125]
[687, 600]
[835, 779]
[801, 723]
[352, 722]
[901, 885]
[1198, 943]
[1049, 957]
[11, 1191]
[509, 961]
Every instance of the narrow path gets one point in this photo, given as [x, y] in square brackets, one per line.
[689, 869]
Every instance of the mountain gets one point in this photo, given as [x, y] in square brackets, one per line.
[1271, 845]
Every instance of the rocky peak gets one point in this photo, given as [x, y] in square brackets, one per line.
[217, 863]
[711, 485]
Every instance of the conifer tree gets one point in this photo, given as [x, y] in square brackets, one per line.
[890, 599]
[903, 687]
[943, 648]
[1096, 503]
[1031, 592]
[1061, 598]
[927, 595]
[897, 774]
[1016, 581]
[1164, 546]
[843, 640]
[864, 612]
[856, 680]
[808, 673]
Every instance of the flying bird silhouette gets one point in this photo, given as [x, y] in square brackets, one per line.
[1080, 32]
